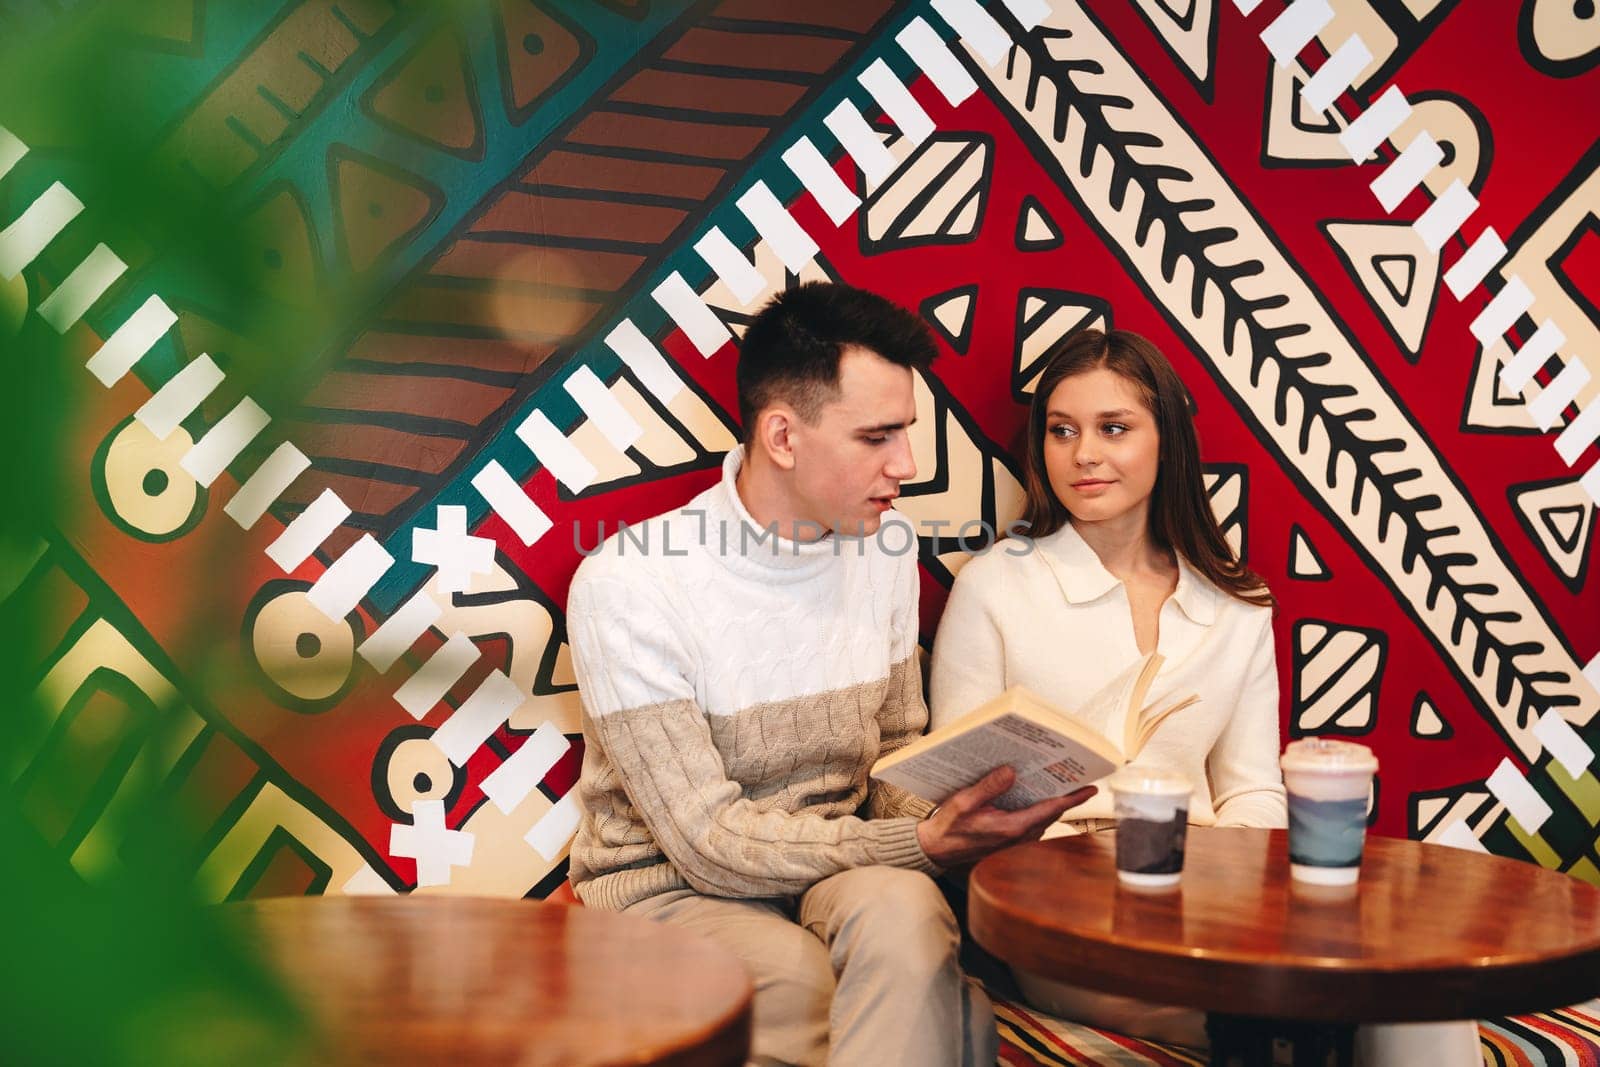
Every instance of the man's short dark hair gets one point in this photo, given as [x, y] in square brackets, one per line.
[791, 350]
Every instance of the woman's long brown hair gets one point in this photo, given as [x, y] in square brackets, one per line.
[1181, 519]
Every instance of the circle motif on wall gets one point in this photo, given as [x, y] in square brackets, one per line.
[409, 767]
[142, 487]
[305, 659]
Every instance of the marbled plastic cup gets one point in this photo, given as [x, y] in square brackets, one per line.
[1152, 809]
[1328, 783]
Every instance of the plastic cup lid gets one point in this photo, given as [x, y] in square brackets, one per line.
[1150, 779]
[1328, 756]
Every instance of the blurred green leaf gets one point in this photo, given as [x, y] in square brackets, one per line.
[133, 967]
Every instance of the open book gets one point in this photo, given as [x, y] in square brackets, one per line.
[1052, 752]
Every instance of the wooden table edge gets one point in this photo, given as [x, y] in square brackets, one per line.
[1297, 988]
[726, 1037]
[1308, 993]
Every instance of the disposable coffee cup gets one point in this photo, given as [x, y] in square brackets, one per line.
[1328, 783]
[1152, 809]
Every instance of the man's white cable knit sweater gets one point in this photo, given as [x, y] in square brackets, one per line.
[736, 690]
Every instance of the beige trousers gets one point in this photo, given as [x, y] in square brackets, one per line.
[861, 970]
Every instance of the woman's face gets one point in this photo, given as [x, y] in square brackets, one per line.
[1101, 447]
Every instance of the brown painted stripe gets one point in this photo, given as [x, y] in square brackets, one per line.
[698, 140]
[835, 14]
[579, 170]
[335, 544]
[556, 217]
[364, 495]
[479, 353]
[758, 51]
[559, 268]
[422, 395]
[359, 443]
[493, 309]
[702, 92]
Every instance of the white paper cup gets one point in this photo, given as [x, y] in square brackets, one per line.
[1328, 783]
[1152, 809]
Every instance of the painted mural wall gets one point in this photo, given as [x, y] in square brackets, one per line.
[368, 317]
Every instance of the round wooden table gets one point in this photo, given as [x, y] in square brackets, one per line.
[1429, 933]
[479, 981]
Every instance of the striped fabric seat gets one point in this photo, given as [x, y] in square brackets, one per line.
[1027, 1038]
[1569, 1037]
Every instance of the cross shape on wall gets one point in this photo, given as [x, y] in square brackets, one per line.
[457, 554]
[435, 847]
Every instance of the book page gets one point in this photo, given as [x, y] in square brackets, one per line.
[1151, 718]
[1047, 764]
[1112, 708]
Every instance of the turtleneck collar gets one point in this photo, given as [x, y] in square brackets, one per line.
[748, 547]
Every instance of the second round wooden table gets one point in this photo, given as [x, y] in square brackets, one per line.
[1429, 933]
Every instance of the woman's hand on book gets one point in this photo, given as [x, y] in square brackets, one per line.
[968, 826]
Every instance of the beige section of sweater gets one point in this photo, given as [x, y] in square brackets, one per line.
[763, 803]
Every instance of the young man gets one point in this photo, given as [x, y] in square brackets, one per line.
[743, 662]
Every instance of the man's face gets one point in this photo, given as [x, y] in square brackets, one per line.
[849, 462]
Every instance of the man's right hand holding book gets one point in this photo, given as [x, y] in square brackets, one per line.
[967, 826]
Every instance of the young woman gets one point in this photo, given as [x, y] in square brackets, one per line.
[1122, 557]
[1126, 558]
